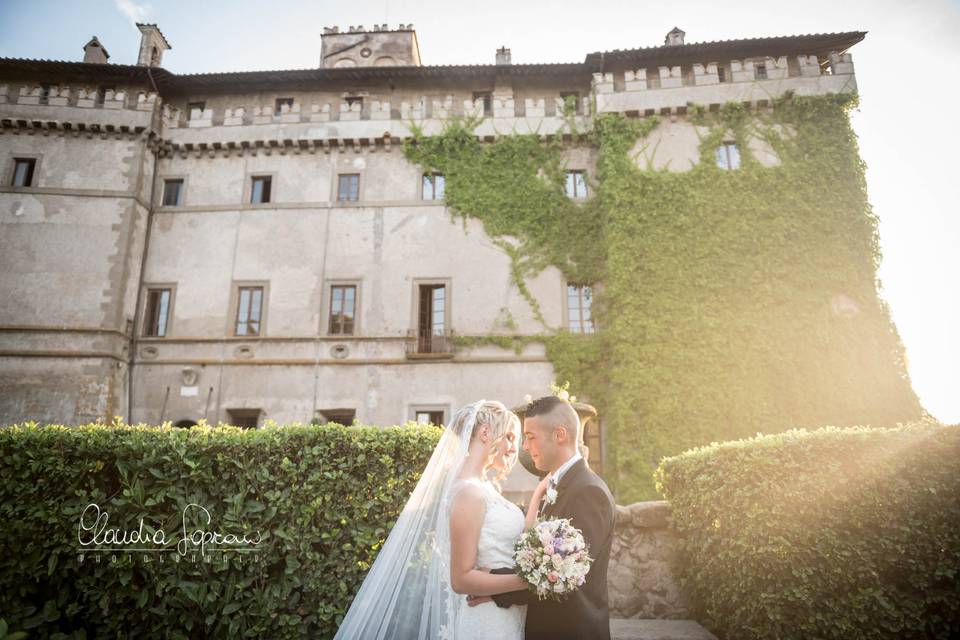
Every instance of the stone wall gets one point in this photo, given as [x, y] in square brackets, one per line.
[640, 578]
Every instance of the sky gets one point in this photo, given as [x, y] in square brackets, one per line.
[906, 70]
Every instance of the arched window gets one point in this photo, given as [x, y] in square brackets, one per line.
[155, 57]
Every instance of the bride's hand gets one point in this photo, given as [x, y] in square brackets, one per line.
[542, 486]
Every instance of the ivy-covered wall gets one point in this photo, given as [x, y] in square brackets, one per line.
[728, 302]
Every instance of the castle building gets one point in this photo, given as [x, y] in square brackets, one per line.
[248, 246]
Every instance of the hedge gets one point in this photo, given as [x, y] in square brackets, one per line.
[834, 533]
[321, 497]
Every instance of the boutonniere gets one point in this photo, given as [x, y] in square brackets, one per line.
[550, 496]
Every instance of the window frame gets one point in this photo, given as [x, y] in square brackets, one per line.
[340, 177]
[180, 196]
[234, 314]
[333, 410]
[145, 296]
[724, 151]
[248, 188]
[432, 175]
[257, 413]
[443, 409]
[11, 173]
[566, 309]
[760, 70]
[574, 172]
[328, 305]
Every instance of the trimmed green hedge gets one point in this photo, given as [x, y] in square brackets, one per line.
[323, 498]
[834, 533]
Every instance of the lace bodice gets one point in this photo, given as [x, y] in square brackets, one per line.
[502, 525]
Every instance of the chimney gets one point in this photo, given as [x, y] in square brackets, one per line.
[94, 52]
[152, 45]
[675, 37]
[503, 56]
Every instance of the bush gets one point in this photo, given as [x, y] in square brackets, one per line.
[834, 533]
[323, 498]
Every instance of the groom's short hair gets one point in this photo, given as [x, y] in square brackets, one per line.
[554, 412]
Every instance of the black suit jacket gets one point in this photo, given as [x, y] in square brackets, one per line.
[583, 497]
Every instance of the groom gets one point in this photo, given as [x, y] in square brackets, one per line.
[551, 431]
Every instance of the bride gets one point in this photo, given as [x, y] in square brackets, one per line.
[454, 528]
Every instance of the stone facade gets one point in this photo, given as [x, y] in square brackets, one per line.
[640, 578]
[96, 229]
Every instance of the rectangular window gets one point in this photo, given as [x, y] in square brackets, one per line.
[760, 70]
[579, 301]
[339, 416]
[260, 189]
[576, 184]
[343, 301]
[246, 418]
[348, 188]
[279, 105]
[195, 105]
[44, 94]
[23, 171]
[430, 417]
[571, 100]
[431, 318]
[487, 99]
[158, 308]
[721, 74]
[434, 185]
[249, 310]
[728, 156]
[172, 192]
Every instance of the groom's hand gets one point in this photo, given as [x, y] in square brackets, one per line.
[475, 600]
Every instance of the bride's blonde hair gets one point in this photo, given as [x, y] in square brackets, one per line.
[501, 422]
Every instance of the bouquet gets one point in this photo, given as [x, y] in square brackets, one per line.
[553, 557]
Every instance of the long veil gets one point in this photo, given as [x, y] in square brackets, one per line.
[406, 594]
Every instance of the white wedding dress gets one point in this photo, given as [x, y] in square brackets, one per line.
[502, 525]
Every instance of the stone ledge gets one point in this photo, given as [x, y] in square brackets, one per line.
[644, 515]
[623, 629]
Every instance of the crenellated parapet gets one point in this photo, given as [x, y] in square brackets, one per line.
[755, 81]
[51, 108]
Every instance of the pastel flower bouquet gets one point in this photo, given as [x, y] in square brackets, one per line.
[553, 557]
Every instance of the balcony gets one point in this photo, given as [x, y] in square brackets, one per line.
[428, 347]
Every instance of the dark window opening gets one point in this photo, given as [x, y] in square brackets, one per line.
[260, 189]
[432, 316]
[23, 169]
[487, 98]
[246, 418]
[760, 70]
[157, 312]
[172, 192]
[338, 416]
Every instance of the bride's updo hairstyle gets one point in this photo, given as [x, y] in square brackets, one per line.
[501, 421]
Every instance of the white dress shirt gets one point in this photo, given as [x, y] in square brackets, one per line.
[555, 480]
